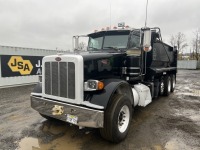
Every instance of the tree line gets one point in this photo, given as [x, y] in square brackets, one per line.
[179, 40]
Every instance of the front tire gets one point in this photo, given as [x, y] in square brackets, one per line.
[117, 120]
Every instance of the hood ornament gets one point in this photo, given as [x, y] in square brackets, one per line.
[57, 110]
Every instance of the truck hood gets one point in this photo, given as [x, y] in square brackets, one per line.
[102, 65]
[97, 55]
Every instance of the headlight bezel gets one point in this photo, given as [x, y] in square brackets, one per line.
[93, 85]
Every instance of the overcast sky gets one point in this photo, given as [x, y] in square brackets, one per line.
[50, 24]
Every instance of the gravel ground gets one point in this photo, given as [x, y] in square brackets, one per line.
[170, 123]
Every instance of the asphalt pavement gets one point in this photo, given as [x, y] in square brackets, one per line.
[168, 123]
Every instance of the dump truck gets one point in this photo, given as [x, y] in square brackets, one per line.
[122, 68]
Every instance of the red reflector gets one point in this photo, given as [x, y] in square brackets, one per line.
[58, 59]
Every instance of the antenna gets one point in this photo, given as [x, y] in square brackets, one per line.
[146, 14]
[110, 14]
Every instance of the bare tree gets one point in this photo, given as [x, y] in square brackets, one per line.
[172, 40]
[82, 46]
[196, 44]
[179, 40]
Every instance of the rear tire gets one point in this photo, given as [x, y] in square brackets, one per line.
[167, 85]
[173, 82]
[117, 119]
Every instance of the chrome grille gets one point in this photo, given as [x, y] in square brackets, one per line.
[63, 77]
[54, 71]
[60, 79]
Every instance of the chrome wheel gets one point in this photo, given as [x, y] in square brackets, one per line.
[162, 87]
[123, 118]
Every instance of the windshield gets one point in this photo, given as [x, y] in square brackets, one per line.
[108, 40]
[115, 41]
[95, 43]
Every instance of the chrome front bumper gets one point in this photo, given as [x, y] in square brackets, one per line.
[86, 117]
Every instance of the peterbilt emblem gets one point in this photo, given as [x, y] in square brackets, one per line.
[58, 59]
[57, 110]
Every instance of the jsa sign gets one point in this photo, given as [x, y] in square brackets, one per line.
[20, 65]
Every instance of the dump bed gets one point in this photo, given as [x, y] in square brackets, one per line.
[161, 58]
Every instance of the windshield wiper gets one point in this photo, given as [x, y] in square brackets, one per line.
[94, 48]
[115, 48]
[136, 47]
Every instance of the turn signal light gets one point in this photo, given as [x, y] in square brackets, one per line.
[100, 85]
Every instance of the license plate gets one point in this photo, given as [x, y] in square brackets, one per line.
[72, 119]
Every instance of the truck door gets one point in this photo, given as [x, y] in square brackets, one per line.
[133, 60]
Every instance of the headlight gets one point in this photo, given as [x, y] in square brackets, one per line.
[93, 85]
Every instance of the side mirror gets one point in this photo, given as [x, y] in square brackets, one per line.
[147, 39]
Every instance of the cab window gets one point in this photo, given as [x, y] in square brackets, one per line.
[134, 40]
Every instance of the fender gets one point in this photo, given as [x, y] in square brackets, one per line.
[112, 86]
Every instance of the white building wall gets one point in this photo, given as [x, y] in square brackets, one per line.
[187, 64]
